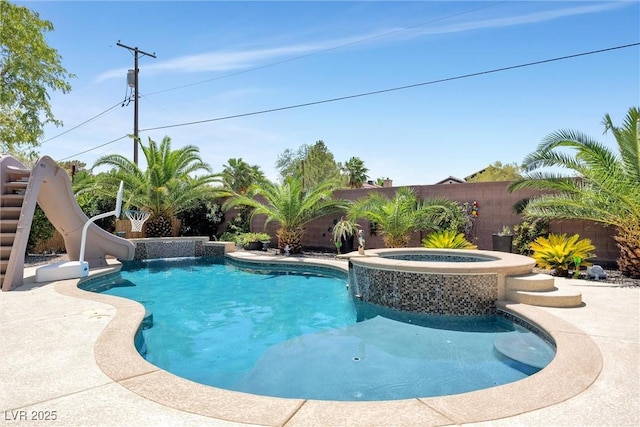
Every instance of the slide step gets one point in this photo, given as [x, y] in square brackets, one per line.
[12, 200]
[16, 171]
[10, 212]
[8, 225]
[16, 185]
[5, 252]
[6, 239]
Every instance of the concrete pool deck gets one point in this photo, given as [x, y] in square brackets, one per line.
[60, 355]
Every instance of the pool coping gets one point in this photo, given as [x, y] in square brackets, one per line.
[117, 357]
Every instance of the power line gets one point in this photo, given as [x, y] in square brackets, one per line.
[377, 92]
[81, 124]
[448, 79]
[283, 61]
[94, 148]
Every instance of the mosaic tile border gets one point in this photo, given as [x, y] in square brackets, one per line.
[528, 325]
[437, 258]
[176, 248]
[277, 267]
[427, 293]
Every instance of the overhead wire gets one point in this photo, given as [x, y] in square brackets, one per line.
[81, 124]
[94, 148]
[128, 98]
[377, 92]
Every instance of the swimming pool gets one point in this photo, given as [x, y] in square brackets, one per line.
[213, 323]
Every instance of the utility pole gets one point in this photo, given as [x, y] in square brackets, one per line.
[136, 52]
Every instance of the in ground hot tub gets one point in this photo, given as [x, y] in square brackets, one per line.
[446, 282]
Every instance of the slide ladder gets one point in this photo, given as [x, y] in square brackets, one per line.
[13, 187]
[47, 184]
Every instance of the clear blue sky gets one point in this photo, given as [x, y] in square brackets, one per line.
[218, 59]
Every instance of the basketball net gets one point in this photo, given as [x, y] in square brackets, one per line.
[137, 218]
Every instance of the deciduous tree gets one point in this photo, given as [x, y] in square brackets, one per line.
[29, 69]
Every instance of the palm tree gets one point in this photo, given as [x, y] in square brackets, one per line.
[605, 187]
[356, 172]
[238, 175]
[397, 218]
[289, 205]
[165, 188]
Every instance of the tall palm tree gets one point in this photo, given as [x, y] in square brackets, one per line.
[237, 176]
[356, 172]
[604, 187]
[404, 214]
[289, 205]
[165, 188]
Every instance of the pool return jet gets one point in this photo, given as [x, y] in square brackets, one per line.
[80, 268]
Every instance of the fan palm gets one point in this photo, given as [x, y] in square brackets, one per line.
[290, 205]
[604, 188]
[165, 188]
[397, 218]
[356, 172]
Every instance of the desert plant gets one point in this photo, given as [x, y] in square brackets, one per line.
[248, 238]
[343, 230]
[603, 185]
[559, 252]
[289, 204]
[447, 239]
[166, 188]
[395, 219]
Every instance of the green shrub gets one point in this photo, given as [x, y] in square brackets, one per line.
[202, 218]
[526, 232]
[447, 239]
[560, 252]
[247, 238]
[228, 236]
[41, 229]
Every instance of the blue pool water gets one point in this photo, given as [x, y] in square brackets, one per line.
[292, 335]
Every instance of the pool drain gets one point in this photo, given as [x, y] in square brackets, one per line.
[356, 359]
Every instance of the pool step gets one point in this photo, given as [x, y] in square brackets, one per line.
[147, 322]
[525, 348]
[539, 289]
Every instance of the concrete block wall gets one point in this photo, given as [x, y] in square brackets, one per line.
[495, 211]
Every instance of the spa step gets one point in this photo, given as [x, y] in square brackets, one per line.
[552, 298]
[530, 282]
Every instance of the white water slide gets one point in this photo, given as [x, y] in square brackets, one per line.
[49, 185]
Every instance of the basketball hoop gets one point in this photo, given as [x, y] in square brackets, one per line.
[137, 218]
